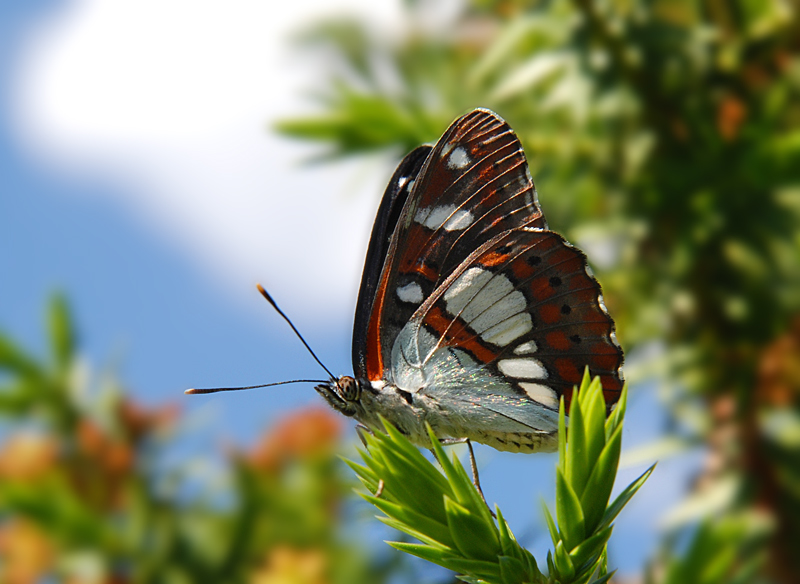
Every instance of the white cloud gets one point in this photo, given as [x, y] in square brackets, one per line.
[171, 100]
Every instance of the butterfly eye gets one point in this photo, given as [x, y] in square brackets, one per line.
[350, 389]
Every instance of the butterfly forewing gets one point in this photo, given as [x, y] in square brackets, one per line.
[392, 203]
[475, 184]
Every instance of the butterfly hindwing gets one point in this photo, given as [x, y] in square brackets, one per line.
[523, 316]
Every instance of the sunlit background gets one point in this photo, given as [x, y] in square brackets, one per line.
[158, 159]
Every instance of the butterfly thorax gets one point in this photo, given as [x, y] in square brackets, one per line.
[409, 411]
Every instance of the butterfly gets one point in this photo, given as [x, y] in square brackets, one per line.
[472, 316]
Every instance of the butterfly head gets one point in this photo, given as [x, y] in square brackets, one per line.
[343, 394]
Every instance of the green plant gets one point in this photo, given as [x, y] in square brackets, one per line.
[446, 513]
[726, 551]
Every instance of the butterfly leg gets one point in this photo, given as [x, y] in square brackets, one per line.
[362, 432]
[475, 479]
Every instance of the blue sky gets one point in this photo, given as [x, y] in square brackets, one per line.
[157, 229]
[141, 180]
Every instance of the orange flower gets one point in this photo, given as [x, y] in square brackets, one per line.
[103, 465]
[27, 456]
[303, 434]
[286, 565]
[139, 421]
[25, 552]
[91, 439]
[112, 455]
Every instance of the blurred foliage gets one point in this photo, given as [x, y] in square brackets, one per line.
[664, 138]
[725, 552]
[456, 529]
[90, 495]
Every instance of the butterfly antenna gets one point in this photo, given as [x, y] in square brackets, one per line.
[196, 391]
[266, 295]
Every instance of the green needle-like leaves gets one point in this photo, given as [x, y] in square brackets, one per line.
[443, 511]
[589, 453]
[446, 513]
[62, 333]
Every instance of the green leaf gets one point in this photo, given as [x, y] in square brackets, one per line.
[474, 538]
[589, 550]
[20, 398]
[434, 555]
[508, 544]
[16, 361]
[719, 565]
[463, 490]
[594, 415]
[512, 570]
[603, 579]
[623, 498]
[563, 563]
[360, 123]
[601, 482]
[569, 512]
[398, 488]
[615, 419]
[562, 435]
[533, 567]
[487, 570]
[400, 443]
[555, 536]
[419, 534]
[510, 548]
[412, 520]
[586, 379]
[62, 335]
[577, 465]
[364, 473]
[503, 48]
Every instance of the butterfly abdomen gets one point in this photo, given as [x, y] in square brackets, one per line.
[518, 441]
[409, 412]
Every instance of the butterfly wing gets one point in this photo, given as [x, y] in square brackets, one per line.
[479, 308]
[473, 185]
[394, 198]
[523, 316]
